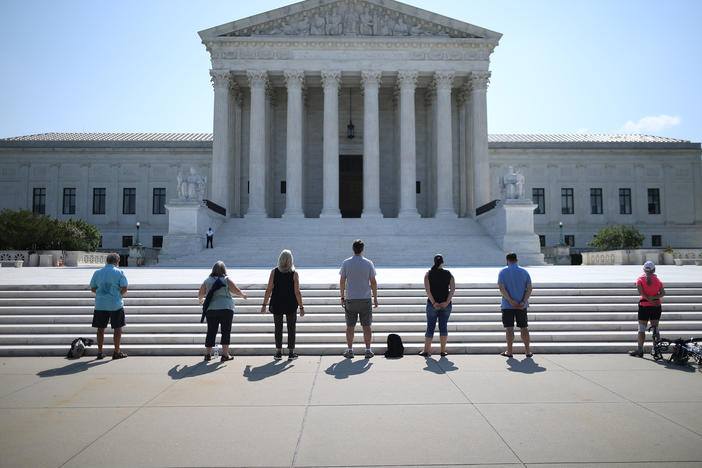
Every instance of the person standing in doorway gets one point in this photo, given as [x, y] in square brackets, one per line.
[109, 285]
[650, 291]
[440, 287]
[284, 292]
[210, 237]
[356, 285]
[515, 287]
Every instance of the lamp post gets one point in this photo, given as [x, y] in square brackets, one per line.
[560, 226]
[138, 224]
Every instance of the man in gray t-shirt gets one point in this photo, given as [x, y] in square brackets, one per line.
[356, 285]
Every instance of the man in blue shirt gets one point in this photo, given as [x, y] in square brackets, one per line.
[356, 285]
[515, 287]
[109, 285]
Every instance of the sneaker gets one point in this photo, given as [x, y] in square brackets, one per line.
[348, 354]
[278, 356]
[636, 353]
[292, 356]
[369, 354]
[119, 355]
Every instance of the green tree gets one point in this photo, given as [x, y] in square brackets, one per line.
[615, 237]
[25, 230]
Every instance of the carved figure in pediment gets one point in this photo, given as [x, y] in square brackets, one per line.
[417, 30]
[400, 28]
[288, 29]
[366, 22]
[382, 25]
[334, 26]
[317, 25]
[302, 26]
[351, 22]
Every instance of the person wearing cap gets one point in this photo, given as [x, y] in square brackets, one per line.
[439, 286]
[651, 291]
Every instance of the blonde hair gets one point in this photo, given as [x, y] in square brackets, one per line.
[285, 261]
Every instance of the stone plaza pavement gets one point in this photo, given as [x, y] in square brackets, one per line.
[462, 410]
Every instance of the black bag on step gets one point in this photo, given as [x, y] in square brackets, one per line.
[395, 346]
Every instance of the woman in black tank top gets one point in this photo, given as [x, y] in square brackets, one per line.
[284, 293]
[439, 286]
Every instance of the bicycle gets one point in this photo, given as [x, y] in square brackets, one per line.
[682, 350]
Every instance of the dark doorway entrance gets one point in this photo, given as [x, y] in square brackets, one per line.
[351, 185]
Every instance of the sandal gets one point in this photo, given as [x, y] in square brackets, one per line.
[424, 354]
[99, 356]
[530, 355]
[226, 357]
[444, 353]
[119, 355]
[505, 354]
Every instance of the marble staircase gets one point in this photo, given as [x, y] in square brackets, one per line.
[165, 319]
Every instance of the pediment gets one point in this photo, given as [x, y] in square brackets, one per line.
[360, 18]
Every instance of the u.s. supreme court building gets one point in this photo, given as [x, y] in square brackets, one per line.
[338, 119]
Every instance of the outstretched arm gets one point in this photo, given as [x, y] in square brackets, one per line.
[235, 290]
[267, 295]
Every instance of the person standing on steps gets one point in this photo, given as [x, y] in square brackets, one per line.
[356, 285]
[284, 292]
[109, 285]
[215, 297]
[515, 287]
[651, 291]
[210, 237]
[440, 286]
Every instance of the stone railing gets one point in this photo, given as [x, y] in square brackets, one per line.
[639, 256]
[16, 258]
[52, 258]
[82, 259]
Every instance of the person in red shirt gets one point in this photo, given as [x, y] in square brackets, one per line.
[651, 291]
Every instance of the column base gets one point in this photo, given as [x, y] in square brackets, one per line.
[256, 213]
[372, 214]
[330, 213]
[446, 213]
[293, 214]
[409, 213]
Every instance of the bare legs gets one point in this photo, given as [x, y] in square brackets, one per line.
[526, 339]
[100, 339]
[427, 344]
[367, 335]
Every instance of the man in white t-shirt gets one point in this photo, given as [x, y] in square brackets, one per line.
[356, 285]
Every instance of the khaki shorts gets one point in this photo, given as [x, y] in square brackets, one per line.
[356, 308]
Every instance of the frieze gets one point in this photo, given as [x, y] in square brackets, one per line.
[350, 18]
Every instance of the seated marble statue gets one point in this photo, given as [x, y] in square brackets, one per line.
[512, 185]
[191, 186]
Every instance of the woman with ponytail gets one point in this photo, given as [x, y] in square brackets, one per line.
[439, 286]
[651, 291]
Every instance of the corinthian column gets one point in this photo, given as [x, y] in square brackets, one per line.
[408, 150]
[479, 143]
[371, 145]
[293, 159]
[330, 156]
[257, 144]
[444, 147]
[222, 139]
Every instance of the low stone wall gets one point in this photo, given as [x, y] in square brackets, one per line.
[85, 259]
[52, 258]
[16, 258]
[640, 256]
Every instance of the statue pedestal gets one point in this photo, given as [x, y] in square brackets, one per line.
[511, 224]
[188, 221]
[557, 255]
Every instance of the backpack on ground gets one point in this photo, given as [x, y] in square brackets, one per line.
[78, 347]
[395, 346]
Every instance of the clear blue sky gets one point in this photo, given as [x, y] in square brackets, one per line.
[595, 66]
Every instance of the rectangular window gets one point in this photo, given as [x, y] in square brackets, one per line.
[542, 240]
[159, 204]
[127, 241]
[567, 205]
[283, 187]
[569, 240]
[538, 196]
[624, 201]
[69, 200]
[39, 200]
[99, 201]
[596, 201]
[654, 201]
[156, 242]
[129, 201]
[656, 241]
[418, 188]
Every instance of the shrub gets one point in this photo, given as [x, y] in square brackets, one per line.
[25, 230]
[617, 237]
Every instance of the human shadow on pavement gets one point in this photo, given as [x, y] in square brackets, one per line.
[441, 366]
[72, 368]
[347, 367]
[525, 366]
[201, 368]
[254, 374]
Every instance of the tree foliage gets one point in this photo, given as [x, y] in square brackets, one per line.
[615, 237]
[25, 230]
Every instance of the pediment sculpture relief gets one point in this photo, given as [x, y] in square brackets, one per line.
[350, 18]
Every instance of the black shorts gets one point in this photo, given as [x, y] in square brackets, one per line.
[102, 317]
[649, 312]
[508, 316]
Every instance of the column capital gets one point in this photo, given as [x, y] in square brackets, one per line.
[220, 78]
[443, 80]
[407, 79]
[331, 78]
[370, 78]
[294, 78]
[479, 80]
[257, 78]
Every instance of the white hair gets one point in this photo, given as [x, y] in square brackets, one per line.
[285, 261]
